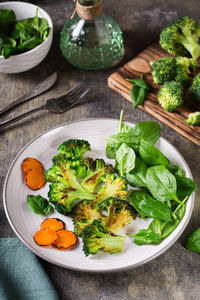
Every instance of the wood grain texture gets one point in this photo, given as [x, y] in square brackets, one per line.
[140, 65]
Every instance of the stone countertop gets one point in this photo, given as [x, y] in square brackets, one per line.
[176, 273]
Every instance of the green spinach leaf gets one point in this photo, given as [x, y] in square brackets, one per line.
[193, 241]
[137, 176]
[162, 184]
[39, 205]
[185, 186]
[148, 130]
[150, 207]
[145, 237]
[125, 159]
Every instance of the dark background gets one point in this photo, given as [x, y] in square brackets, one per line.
[175, 274]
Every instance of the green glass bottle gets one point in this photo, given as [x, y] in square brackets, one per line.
[91, 39]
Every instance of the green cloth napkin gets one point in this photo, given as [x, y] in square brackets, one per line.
[21, 275]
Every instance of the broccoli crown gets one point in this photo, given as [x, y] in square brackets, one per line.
[96, 237]
[195, 87]
[74, 148]
[84, 213]
[120, 213]
[164, 69]
[182, 77]
[187, 64]
[95, 174]
[193, 118]
[170, 95]
[181, 37]
[115, 186]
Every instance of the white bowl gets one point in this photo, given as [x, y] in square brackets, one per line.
[27, 60]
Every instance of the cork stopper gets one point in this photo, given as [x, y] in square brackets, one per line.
[89, 12]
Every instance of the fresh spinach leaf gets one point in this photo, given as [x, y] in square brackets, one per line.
[7, 19]
[162, 184]
[137, 176]
[150, 207]
[145, 237]
[39, 205]
[138, 91]
[111, 149]
[125, 159]
[185, 186]
[193, 241]
[148, 130]
[151, 155]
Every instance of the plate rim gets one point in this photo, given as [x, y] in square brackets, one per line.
[192, 196]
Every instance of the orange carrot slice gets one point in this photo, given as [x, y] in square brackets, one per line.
[45, 237]
[65, 239]
[35, 179]
[29, 164]
[53, 223]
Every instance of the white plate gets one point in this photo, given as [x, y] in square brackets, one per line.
[25, 223]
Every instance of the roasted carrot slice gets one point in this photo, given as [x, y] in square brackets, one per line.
[45, 237]
[35, 179]
[65, 239]
[53, 223]
[29, 164]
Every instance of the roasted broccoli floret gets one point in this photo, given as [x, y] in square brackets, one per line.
[84, 213]
[164, 69]
[96, 237]
[170, 95]
[64, 196]
[180, 37]
[115, 186]
[74, 148]
[193, 118]
[195, 87]
[120, 213]
[95, 173]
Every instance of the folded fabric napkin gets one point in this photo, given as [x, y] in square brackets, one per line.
[21, 275]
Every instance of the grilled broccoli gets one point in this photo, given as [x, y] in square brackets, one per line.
[170, 95]
[120, 213]
[195, 87]
[95, 173]
[115, 186]
[180, 37]
[62, 196]
[193, 118]
[84, 213]
[74, 148]
[96, 237]
[164, 69]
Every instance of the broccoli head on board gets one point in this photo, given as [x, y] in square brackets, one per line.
[195, 87]
[170, 95]
[180, 37]
[96, 237]
[84, 213]
[120, 213]
[164, 69]
[193, 118]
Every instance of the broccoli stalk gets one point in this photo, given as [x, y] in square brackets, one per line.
[193, 118]
[96, 237]
[181, 37]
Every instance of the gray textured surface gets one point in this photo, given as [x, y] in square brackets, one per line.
[175, 274]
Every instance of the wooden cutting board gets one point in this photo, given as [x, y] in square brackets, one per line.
[140, 65]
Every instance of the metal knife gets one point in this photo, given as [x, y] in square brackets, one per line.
[35, 91]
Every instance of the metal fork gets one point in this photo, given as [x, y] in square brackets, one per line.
[55, 105]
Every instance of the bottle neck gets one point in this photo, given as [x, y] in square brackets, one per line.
[88, 2]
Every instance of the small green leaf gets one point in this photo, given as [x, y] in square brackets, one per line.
[145, 237]
[39, 205]
[125, 158]
[193, 241]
